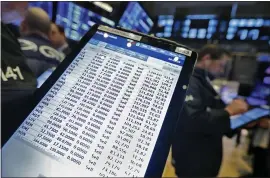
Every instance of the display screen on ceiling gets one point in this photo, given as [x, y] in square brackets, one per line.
[135, 18]
[248, 29]
[195, 27]
[77, 20]
[164, 26]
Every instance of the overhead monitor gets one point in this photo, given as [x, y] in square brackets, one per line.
[164, 26]
[248, 29]
[136, 18]
[195, 26]
[77, 20]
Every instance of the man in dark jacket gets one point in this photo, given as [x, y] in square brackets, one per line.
[197, 149]
[35, 42]
[17, 81]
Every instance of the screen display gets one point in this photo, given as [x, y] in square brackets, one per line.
[260, 94]
[196, 27]
[261, 91]
[255, 101]
[248, 117]
[46, 6]
[164, 26]
[264, 58]
[135, 18]
[248, 29]
[229, 93]
[77, 20]
[102, 117]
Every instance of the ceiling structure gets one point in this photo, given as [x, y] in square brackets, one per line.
[248, 8]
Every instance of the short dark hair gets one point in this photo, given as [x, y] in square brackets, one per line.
[214, 51]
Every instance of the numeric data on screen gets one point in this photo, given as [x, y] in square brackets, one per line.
[103, 114]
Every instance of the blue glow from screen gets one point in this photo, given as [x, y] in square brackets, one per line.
[248, 29]
[77, 20]
[165, 22]
[135, 18]
[201, 16]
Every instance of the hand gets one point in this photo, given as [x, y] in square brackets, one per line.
[237, 106]
[251, 125]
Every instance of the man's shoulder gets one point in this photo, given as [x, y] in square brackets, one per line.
[195, 82]
[32, 45]
[10, 43]
[16, 77]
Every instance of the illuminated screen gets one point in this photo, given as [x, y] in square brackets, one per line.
[247, 117]
[255, 101]
[195, 27]
[261, 91]
[135, 18]
[260, 95]
[248, 29]
[229, 93]
[164, 26]
[264, 58]
[103, 115]
[77, 20]
[46, 6]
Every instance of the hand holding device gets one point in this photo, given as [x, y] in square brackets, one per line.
[237, 106]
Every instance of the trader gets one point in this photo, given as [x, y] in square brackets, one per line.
[35, 43]
[197, 148]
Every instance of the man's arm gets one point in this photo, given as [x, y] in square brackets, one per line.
[203, 119]
[200, 118]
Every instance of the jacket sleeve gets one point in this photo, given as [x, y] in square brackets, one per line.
[199, 117]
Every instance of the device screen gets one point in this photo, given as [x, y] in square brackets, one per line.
[256, 113]
[103, 115]
[247, 117]
[78, 20]
[135, 18]
[229, 92]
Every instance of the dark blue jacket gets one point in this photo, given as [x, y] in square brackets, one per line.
[18, 84]
[39, 53]
[197, 148]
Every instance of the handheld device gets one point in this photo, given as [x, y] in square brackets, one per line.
[250, 116]
[109, 109]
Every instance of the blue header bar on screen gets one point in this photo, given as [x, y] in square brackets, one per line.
[135, 49]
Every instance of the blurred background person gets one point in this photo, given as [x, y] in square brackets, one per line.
[58, 39]
[35, 43]
[17, 80]
[197, 149]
